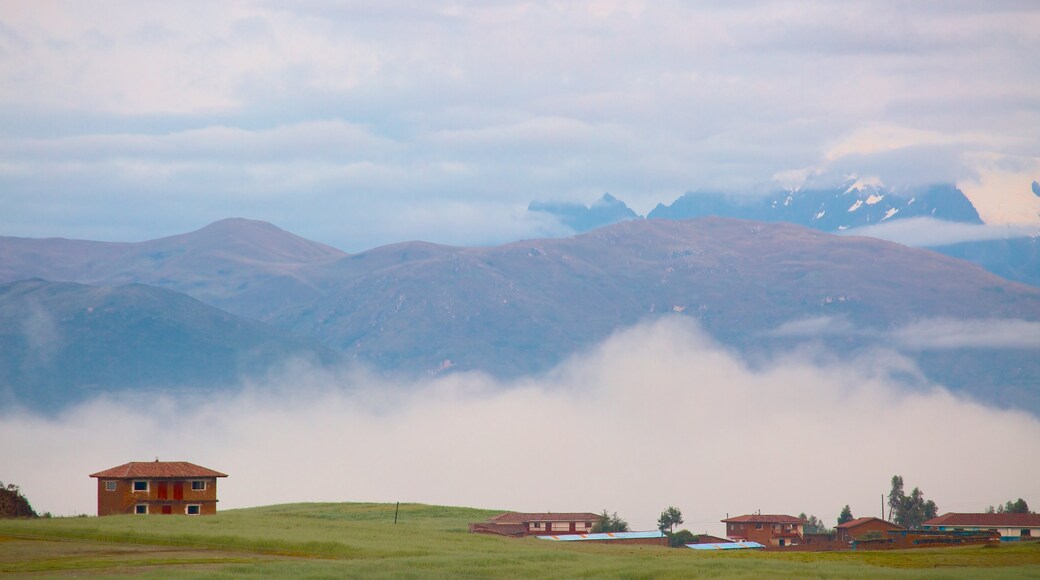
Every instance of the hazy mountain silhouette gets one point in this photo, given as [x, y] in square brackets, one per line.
[523, 307]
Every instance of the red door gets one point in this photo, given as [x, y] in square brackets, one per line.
[178, 490]
[162, 490]
[167, 509]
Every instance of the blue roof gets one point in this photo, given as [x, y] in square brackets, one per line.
[603, 536]
[726, 546]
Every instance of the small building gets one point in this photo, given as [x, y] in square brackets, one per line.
[1012, 527]
[857, 528]
[533, 524]
[654, 538]
[772, 531]
[157, 487]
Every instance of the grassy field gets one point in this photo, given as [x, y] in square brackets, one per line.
[344, 540]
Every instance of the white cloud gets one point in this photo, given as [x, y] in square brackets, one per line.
[942, 334]
[523, 100]
[926, 333]
[656, 416]
[929, 232]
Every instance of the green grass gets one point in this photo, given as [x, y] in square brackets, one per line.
[361, 540]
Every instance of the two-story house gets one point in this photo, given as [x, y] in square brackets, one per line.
[769, 530]
[157, 487]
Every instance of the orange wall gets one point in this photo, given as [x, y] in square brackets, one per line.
[123, 499]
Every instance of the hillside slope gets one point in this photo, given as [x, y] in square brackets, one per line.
[64, 342]
[243, 266]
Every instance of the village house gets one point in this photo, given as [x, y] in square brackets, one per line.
[1011, 527]
[775, 531]
[157, 487]
[531, 524]
[857, 528]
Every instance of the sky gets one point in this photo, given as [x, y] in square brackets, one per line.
[658, 415]
[359, 124]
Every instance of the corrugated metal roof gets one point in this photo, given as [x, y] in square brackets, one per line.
[726, 546]
[604, 536]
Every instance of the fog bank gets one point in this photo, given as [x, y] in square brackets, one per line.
[657, 415]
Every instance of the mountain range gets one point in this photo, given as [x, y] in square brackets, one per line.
[239, 296]
[854, 204]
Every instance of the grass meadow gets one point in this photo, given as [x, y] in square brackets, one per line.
[325, 540]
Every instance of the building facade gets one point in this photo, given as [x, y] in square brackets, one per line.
[533, 524]
[157, 487]
[1012, 527]
[859, 527]
[772, 531]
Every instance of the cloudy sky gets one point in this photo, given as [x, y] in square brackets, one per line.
[362, 123]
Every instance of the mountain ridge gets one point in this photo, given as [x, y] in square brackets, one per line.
[523, 307]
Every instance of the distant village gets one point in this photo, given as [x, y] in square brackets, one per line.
[183, 488]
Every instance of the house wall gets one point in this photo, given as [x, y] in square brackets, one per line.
[848, 534]
[124, 499]
[555, 528]
[1006, 533]
[768, 535]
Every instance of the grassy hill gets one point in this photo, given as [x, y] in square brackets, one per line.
[355, 540]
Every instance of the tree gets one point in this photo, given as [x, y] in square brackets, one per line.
[670, 518]
[813, 524]
[1011, 507]
[13, 504]
[681, 538]
[609, 523]
[909, 510]
[895, 498]
[845, 515]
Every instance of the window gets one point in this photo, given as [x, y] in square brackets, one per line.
[560, 526]
[537, 525]
[141, 508]
[758, 526]
[198, 485]
[193, 510]
[110, 486]
[140, 485]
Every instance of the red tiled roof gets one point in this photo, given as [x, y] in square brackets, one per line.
[995, 520]
[860, 521]
[764, 519]
[141, 469]
[519, 518]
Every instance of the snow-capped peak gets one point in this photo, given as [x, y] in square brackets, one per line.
[861, 183]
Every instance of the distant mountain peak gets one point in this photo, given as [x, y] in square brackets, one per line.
[580, 217]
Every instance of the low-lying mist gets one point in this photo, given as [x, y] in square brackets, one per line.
[657, 415]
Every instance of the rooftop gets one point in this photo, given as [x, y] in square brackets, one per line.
[144, 469]
[520, 517]
[764, 519]
[860, 521]
[996, 520]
